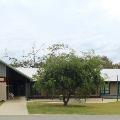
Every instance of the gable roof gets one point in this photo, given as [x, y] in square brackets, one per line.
[30, 72]
[111, 74]
[107, 74]
[17, 70]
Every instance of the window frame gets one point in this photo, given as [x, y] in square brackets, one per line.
[118, 87]
[105, 90]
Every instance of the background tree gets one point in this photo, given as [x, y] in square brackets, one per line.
[107, 63]
[116, 66]
[30, 59]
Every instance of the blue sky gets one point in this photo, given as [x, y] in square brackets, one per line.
[82, 24]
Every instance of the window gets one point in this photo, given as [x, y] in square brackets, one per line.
[102, 90]
[105, 89]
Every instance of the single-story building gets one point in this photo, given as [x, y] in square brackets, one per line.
[111, 89]
[17, 81]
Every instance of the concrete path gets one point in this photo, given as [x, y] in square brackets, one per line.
[14, 107]
[88, 100]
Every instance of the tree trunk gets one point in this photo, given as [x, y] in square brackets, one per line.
[66, 99]
[65, 103]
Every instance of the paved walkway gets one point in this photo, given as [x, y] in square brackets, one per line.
[88, 100]
[100, 100]
[14, 107]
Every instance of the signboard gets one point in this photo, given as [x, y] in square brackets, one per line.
[1, 79]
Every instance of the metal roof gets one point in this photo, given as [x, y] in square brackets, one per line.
[30, 72]
[18, 71]
[111, 74]
[107, 74]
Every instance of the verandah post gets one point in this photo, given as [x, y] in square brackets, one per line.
[117, 89]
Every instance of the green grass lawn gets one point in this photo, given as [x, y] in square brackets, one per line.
[86, 109]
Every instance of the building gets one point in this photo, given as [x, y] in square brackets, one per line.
[111, 89]
[17, 81]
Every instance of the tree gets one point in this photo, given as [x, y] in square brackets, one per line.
[116, 66]
[107, 63]
[30, 59]
[68, 73]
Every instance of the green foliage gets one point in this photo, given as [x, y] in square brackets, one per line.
[107, 63]
[69, 74]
